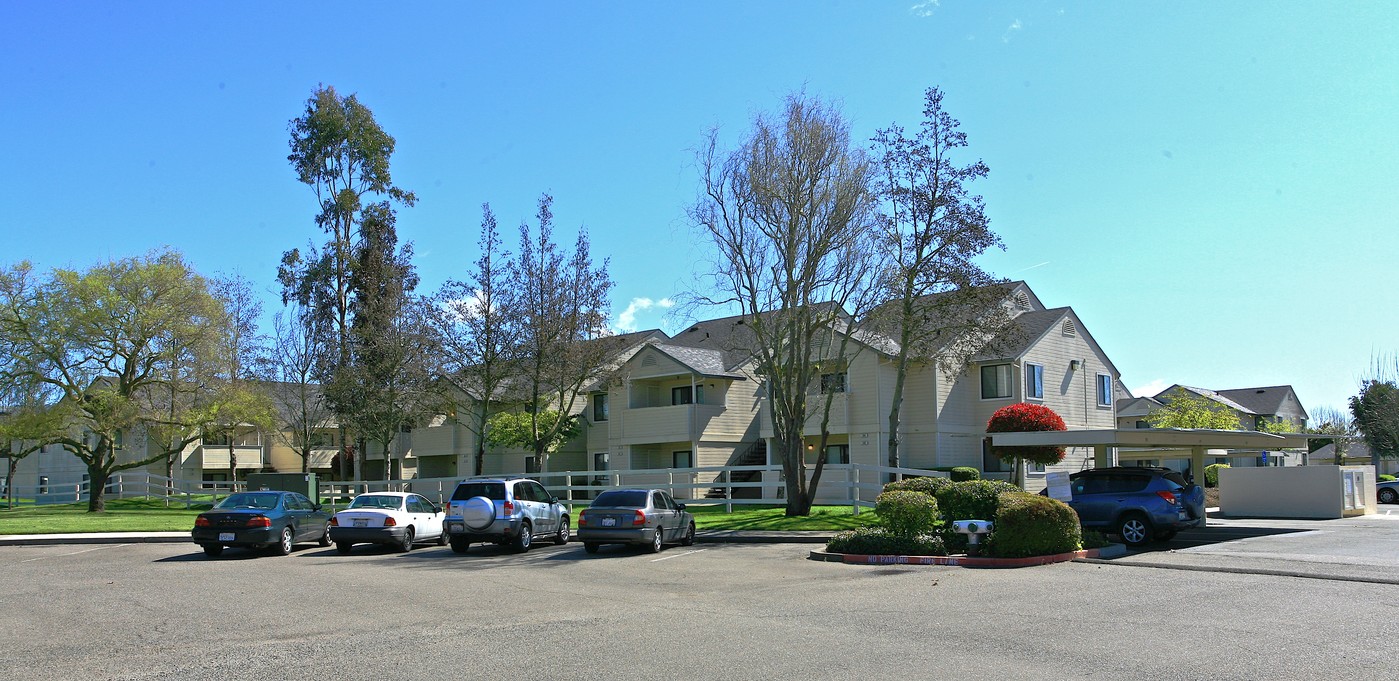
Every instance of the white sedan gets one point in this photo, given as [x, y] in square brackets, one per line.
[396, 519]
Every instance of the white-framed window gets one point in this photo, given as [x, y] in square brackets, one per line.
[1034, 381]
[1104, 390]
[682, 459]
[995, 381]
[833, 383]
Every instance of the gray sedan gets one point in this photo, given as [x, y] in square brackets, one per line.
[635, 516]
[1388, 492]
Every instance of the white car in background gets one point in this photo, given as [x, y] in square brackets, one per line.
[397, 519]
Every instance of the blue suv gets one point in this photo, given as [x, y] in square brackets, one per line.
[1137, 503]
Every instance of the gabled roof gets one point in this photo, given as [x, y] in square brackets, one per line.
[1028, 328]
[1263, 401]
[1164, 396]
[706, 362]
[1137, 406]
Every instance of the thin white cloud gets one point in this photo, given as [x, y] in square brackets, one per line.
[1150, 389]
[1031, 267]
[626, 321]
[924, 9]
[1014, 26]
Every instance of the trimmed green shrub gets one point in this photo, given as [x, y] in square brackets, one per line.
[1032, 525]
[965, 473]
[1092, 539]
[877, 541]
[928, 486]
[1212, 474]
[1385, 477]
[906, 513]
[972, 499]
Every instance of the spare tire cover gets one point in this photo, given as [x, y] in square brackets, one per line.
[478, 513]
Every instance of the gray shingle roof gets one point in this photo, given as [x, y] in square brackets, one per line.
[1206, 393]
[1266, 400]
[1028, 328]
[703, 361]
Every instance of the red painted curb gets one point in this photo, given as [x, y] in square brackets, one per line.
[966, 561]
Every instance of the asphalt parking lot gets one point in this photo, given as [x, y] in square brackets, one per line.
[720, 611]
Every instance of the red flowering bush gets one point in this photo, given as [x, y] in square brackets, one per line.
[1027, 418]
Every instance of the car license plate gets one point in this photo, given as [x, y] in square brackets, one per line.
[458, 527]
[361, 522]
[225, 536]
[609, 522]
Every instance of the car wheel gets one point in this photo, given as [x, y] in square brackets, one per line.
[460, 545]
[213, 550]
[591, 547]
[406, 544]
[325, 537]
[343, 546]
[562, 536]
[1134, 529]
[443, 537]
[689, 538]
[1388, 496]
[523, 539]
[657, 542]
[283, 547]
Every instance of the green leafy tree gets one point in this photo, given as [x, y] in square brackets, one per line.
[394, 349]
[1184, 409]
[341, 152]
[1376, 411]
[791, 216]
[124, 346]
[543, 431]
[1280, 427]
[28, 422]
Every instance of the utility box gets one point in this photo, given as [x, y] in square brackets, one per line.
[305, 483]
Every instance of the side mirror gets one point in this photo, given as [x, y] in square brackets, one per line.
[553, 500]
[679, 506]
[436, 508]
[315, 507]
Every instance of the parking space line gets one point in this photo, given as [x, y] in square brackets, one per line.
[678, 555]
[74, 553]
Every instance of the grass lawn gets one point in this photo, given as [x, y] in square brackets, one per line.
[142, 515]
[122, 515]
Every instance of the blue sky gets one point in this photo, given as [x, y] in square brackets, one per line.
[1212, 186]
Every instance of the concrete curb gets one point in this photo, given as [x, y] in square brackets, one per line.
[94, 538]
[956, 561]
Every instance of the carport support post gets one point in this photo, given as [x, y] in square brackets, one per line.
[1197, 471]
[1104, 456]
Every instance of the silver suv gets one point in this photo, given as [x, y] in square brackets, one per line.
[506, 511]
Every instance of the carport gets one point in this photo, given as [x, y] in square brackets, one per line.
[1106, 443]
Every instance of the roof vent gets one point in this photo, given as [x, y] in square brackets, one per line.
[648, 361]
[1022, 300]
[1069, 328]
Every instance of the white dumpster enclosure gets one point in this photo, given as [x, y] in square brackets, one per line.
[1313, 492]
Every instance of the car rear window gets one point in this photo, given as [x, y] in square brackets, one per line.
[625, 498]
[494, 491]
[1176, 478]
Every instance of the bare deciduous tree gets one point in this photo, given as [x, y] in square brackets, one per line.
[787, 211]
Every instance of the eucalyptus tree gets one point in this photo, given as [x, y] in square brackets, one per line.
[787, 211]
[389, 386]
[938, 306]
[478, 337]
[340, 151]
[122, 345]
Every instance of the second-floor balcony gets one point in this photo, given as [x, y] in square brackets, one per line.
[216, 456]
[671, 423]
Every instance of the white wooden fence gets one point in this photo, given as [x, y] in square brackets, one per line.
[852, 485]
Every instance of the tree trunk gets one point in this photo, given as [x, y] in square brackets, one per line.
[10, 482]
[232, 465]
[97, 485]
[481, 417]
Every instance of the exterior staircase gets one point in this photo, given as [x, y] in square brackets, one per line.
[755, 454]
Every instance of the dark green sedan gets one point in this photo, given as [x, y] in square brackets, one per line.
[262, 520]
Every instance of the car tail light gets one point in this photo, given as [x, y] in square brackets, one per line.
[1169, 496]
[509, 507]
[389, 521]
[582, 518]
[335, 521]
[202, 521]
[259, 521]
[639, 519]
